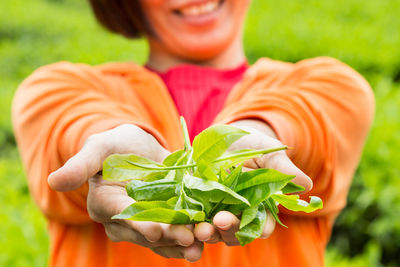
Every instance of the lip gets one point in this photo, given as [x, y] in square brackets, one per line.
[190, 3]
[198, 20]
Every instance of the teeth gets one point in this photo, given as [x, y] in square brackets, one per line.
[200, 9]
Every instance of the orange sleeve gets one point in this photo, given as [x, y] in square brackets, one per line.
[54, 111]
[322, 108]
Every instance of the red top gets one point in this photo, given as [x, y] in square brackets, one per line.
[200, 92]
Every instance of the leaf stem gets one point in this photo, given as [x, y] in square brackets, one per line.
[161, 168]
[185, 134]
[255, 153]
[249, 153]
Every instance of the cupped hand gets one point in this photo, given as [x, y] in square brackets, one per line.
[106, 198]
[225, 224]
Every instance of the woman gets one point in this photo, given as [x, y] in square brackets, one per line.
[69, 117]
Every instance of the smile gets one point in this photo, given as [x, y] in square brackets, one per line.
[199, 9]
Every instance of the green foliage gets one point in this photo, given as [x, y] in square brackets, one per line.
[363, 34]
[191, 199]
[23, 233]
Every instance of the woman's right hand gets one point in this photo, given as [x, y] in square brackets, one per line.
[106, 198]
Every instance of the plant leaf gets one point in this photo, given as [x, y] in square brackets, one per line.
[273, 209]
[273, 178]
[292, 188]
[117, 167]
[214, 141]
[231, 158]
[172, 159]
[248, 216]
[157, 190]
[232, 179]
[211, 191]
[294, 203]
[185, 134]
[159, 211]
[206, 171]
[253, 229]
[256, 186]
[186, 202]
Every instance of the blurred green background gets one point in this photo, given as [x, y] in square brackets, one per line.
[363, 34]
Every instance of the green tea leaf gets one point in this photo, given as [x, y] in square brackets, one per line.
[232, 158]
[214, 141]
[118, 167]
[172, 201]
[292, 202]
[273, 209]
[232, 179]
[185, 134]
[160, 211]
[207, 190]
[173, 158]
[253, 229]
[256, 186]
[205, 170]
[274, 179]
[186, 202]
[141, 206]
[292, 188]
[157, 190]
[248, 216]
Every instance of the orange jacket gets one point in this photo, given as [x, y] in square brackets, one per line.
[319, 106]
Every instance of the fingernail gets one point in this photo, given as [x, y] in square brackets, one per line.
[225, 227]
[179, 243]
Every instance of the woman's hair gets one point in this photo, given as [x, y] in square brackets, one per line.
[122, 16]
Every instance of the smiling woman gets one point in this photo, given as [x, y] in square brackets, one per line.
[69, 117]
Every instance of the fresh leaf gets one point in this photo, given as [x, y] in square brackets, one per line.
[157, 190]
[118, 167]
[273, 209]
[186, 202]
[232, 158]
[273, 178]
[212, 191]
[160, 211]
[173, 158]
[294, 203]
[292, 188]
[256, 186]
[205, 170]
[232, 179]
[185, 134]
[248, 216]
[172, 201]
[214, 141]
[254, 229]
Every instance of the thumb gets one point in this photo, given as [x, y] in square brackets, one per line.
[78, 169]
[282, 163]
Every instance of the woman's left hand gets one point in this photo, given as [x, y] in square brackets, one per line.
[226, 224]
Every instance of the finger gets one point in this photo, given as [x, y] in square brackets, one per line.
[227, 225]
[180, 234]
[105, 200]
[282, 163]
[89, 160]
[78, 169]
[206, 232]
[117, 233]
[193, 253]
[169, 252]
[269, 226]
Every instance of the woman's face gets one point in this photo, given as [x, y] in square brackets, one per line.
[195, 29]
